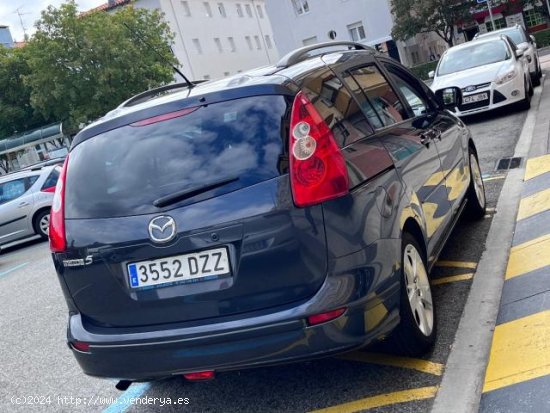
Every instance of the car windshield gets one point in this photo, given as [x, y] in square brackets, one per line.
[514, 34]
[474, 55]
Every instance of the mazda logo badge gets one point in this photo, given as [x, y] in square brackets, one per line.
[162, 229]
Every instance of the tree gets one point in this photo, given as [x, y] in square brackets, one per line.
[85, 65]
[16, 112]
[423, 16]
[413, 17]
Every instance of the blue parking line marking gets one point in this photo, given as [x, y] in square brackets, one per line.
[124, 401]
[13, 269]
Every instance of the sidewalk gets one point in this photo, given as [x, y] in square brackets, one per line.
[518, 373]
[500, 358]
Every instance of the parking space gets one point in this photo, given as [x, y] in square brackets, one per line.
[36, 362]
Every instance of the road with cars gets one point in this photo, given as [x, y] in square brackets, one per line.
[38, 372]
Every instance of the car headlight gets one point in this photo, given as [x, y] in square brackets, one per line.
[506, 77]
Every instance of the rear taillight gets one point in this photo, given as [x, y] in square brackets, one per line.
[58, 242]
[318, 170]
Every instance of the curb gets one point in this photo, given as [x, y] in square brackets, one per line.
[462, 383]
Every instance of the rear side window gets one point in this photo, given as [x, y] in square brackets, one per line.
[123, 171]
[52, 178]
[382, 107]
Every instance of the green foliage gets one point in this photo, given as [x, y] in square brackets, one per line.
[83, 66]
[543, 38]
[413, 17]
[16, 113]
[422, 70]
[423, 16]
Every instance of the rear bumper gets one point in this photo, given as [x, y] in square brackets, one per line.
[249, 342]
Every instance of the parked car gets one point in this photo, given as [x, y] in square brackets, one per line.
[524, 42]
[279, 215]
[485, 75]
[25, 201]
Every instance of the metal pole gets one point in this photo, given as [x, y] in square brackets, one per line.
[548, 6]
[491, 13]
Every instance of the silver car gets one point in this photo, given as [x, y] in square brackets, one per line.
[25, 202]
[524, 42]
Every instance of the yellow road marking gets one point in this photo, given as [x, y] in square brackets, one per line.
[520, 351]
[424, 366]
[537, 166]
[452, 279]
[534, 204]
[457, 264]
[528, 257]
[421, 393]
[494, 178]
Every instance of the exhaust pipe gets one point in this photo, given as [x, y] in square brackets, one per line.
[123, 385]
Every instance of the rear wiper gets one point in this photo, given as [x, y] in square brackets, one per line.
[188, 193]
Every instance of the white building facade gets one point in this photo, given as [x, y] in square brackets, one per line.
[297, 23]
[215, 39]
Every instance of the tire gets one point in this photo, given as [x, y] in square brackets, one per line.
[41, 223]
[538, 75]
[416, 333]
[477, 202]
[525, 104]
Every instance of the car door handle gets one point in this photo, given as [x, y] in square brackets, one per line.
[23, 204]
[425, 139]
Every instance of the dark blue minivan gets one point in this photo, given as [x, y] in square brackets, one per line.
[279, 215]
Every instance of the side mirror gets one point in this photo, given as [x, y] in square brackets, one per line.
[449, 98]
[431, 74]
[533, 39]
[520, 53]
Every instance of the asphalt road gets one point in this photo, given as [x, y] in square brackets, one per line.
[36, 365]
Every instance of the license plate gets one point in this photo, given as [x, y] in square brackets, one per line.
[179, 268]
[475, 98]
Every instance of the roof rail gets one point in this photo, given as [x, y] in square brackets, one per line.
[302, 53]
[151, 93]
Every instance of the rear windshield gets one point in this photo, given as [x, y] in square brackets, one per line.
[123, 171]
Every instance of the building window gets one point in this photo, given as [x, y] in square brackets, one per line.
[268, 42]
[218, 44]
[221, 9]
[248, 10]
[309, 41]
[207, 9]
[300, 6]
[533, 18]
[232, 46]
[248, 42]
[197, 45]
[260, 11]
[356, 31]
[258, 43]
[240, 10]
[500, 23]
[186, 9]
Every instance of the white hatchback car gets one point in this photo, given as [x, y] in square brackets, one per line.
[484, 75]
[25, 201]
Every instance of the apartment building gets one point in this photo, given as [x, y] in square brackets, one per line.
[5, 36]
[214, 39]
[302, 22]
